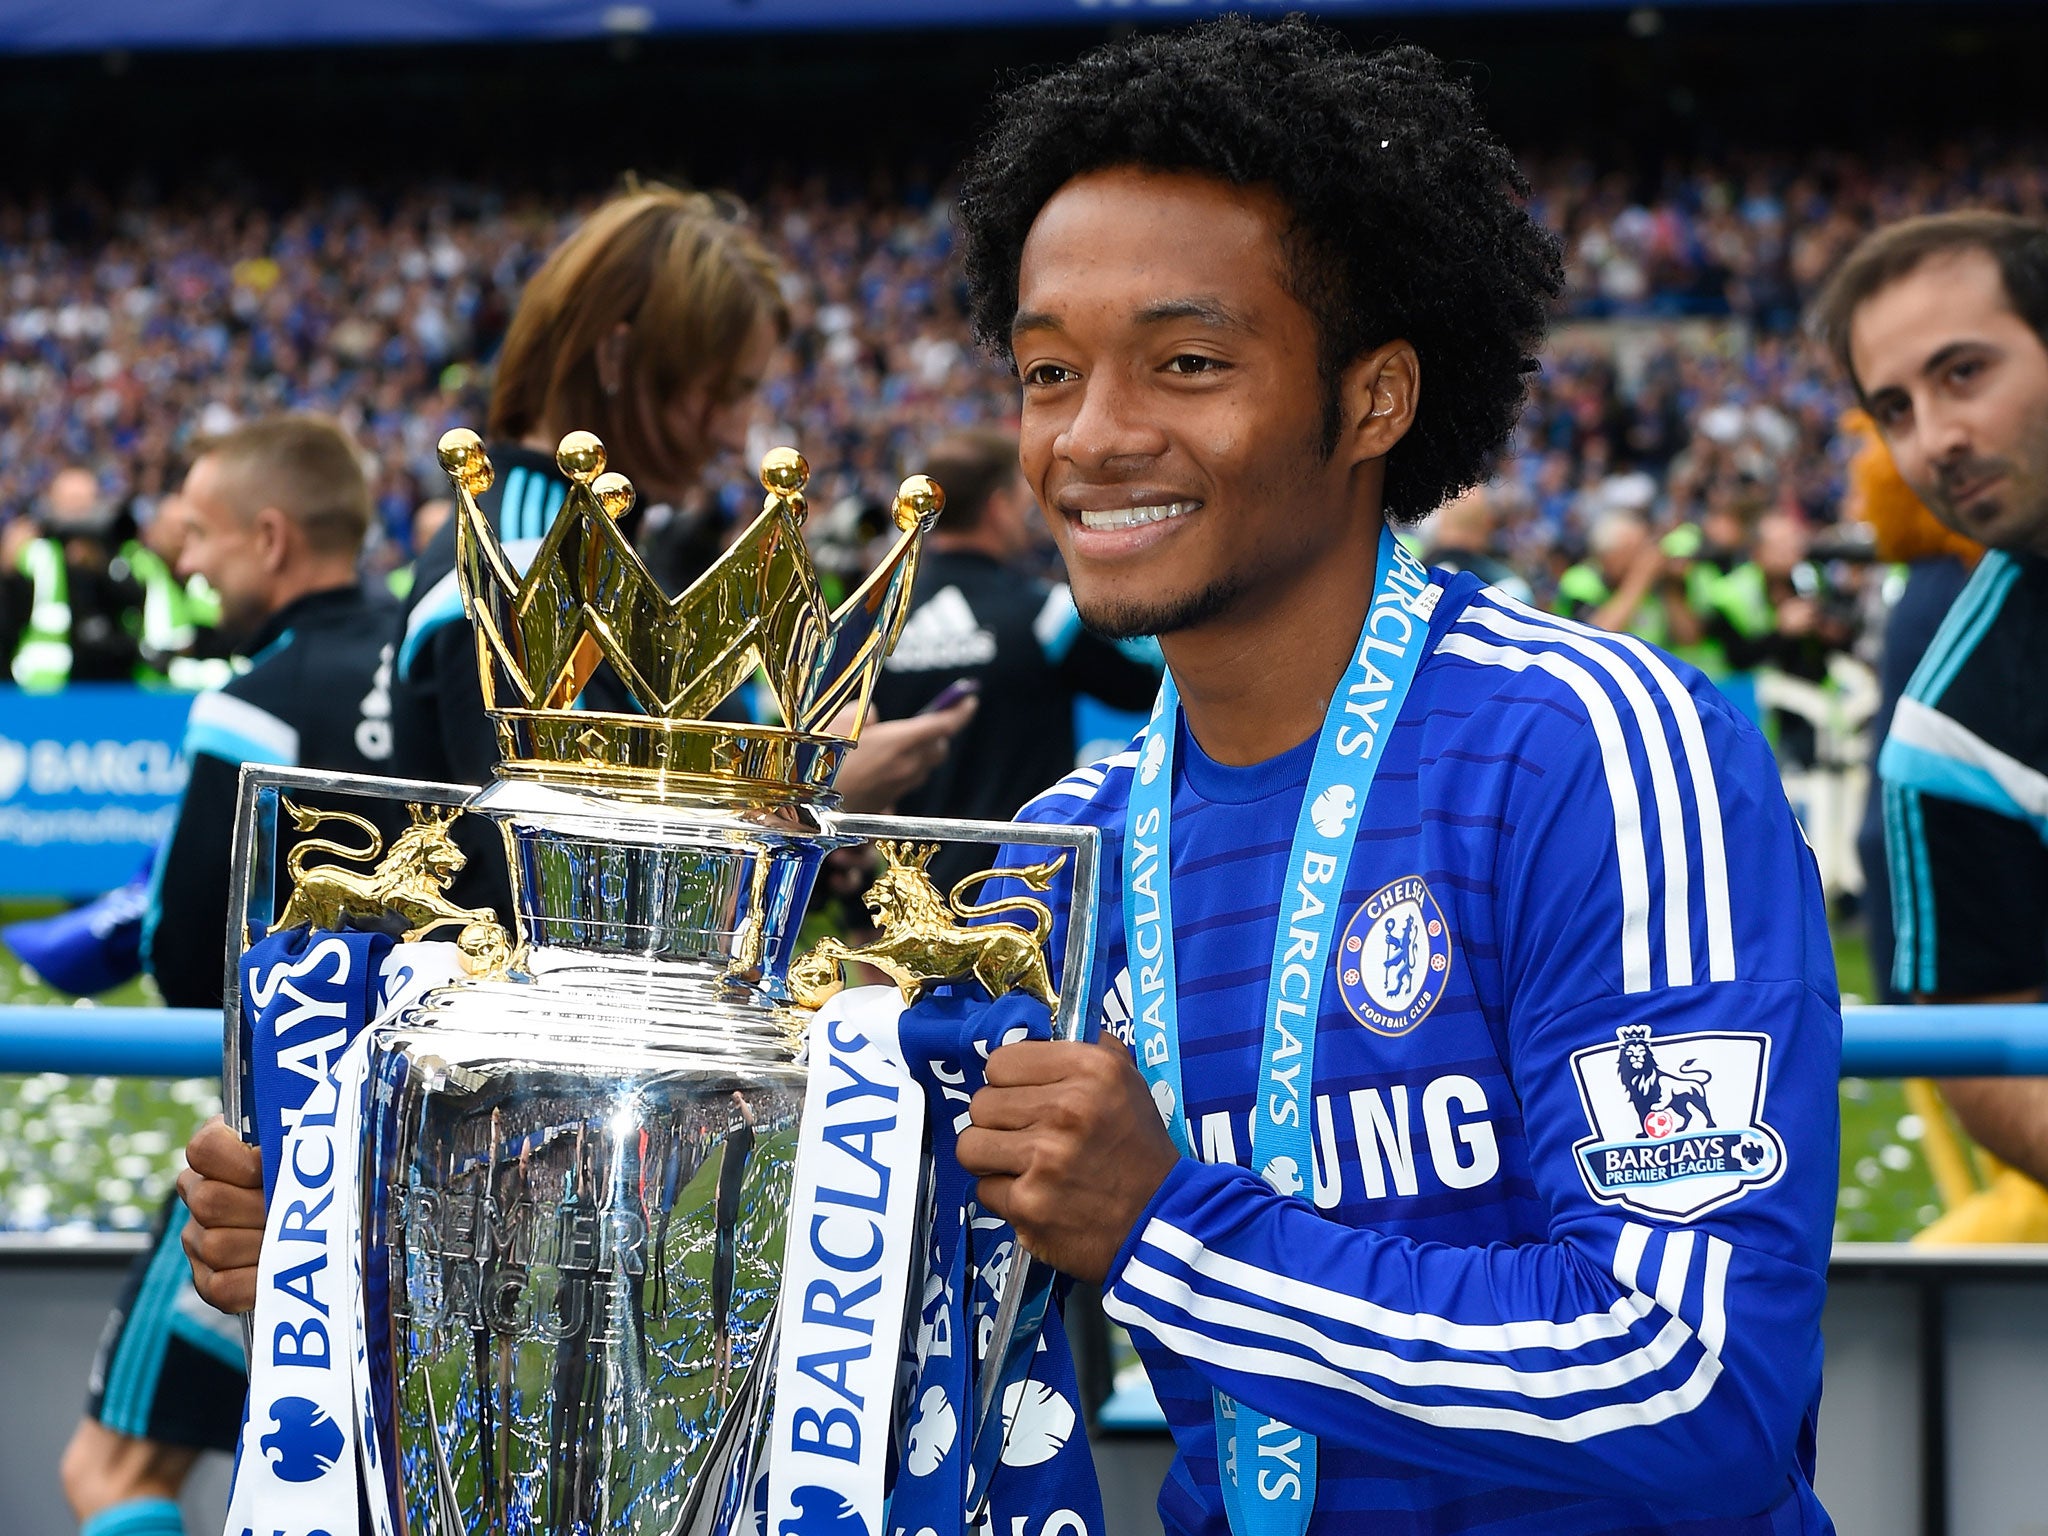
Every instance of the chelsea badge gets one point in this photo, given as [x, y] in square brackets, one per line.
[1395, 957]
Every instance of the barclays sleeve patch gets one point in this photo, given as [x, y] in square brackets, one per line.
[1677, 1121]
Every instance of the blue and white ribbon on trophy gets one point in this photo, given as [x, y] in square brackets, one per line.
[878, 1074]
[307, 1456]
[308, 1460]
[1044, 1478]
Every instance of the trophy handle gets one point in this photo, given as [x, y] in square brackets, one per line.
[252, 890]
[1082, 844]
[1027, 1287]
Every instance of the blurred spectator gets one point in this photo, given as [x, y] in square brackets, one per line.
[179, 624]
[1941, 325]
[278, 513]
[1464, 535]
[1937, 562]
[428, 519]
[1776, 610]
[654, 325]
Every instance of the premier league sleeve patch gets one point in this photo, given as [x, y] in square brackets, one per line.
[1678, 1127]
[1395, 957]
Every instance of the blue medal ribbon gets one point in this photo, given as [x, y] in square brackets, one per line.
[1269, 1469]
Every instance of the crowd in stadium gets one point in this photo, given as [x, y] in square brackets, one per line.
[133, 324]
[1677, 391]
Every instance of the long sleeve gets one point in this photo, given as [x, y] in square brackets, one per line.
[1622, 1358]
[186, 949]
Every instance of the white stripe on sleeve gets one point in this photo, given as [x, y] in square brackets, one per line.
[1142, 1292]
[1363, 1360]
[258, 734]
[1678, 966]
[1083, 783]
[1621, 788]
[1685, 712]
[1356, 1312]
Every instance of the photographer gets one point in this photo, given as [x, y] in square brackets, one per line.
[80, 608]
[1776, 610]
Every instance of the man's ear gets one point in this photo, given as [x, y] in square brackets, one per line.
[1376, 399]
[273, 533]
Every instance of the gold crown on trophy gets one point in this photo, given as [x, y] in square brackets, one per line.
[588, 599]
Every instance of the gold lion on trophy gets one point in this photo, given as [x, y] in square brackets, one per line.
[410, 882]
[927, 939]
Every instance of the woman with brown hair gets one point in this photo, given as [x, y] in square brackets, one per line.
[652, 325]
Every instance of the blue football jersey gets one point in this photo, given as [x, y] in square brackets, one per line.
[1558, 1264]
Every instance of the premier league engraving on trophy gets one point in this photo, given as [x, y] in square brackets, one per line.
[578, 1158]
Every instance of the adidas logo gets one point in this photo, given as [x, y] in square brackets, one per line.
[942, 635]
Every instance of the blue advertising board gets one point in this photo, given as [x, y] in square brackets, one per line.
[89, 784]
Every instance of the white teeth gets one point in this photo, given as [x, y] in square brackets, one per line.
[1133, 517]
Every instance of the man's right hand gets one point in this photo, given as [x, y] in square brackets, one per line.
[222, 1186]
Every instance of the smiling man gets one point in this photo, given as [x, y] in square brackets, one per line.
[1940, 324]
[1460, 1147]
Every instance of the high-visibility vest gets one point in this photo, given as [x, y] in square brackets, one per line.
[167, 619]
[1583, 584]
[1685, 543]
[43, 658]
[173, 612]
[1744, 596]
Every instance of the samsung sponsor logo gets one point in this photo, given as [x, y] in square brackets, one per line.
[1444, 1133]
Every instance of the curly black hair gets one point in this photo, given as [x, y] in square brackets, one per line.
[1406, 214]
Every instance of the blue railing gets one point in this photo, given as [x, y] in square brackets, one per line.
[110, 1042]
[1922, 1041]
[1993, 1040]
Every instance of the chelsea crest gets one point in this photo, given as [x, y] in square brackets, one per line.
[1394, 958]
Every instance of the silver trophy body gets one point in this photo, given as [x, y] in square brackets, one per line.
[579, 1177]
[576, 1175]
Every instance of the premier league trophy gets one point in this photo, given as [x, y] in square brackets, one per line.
[578, 1156]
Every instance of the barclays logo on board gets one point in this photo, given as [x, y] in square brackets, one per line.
[47, 767]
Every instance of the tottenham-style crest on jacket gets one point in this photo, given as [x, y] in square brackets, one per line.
[1394, 957]
[1678, 1125]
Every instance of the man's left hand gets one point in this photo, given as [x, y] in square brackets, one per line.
[1069, 1149]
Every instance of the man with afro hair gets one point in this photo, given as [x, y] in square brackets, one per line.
[1458, 1150]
